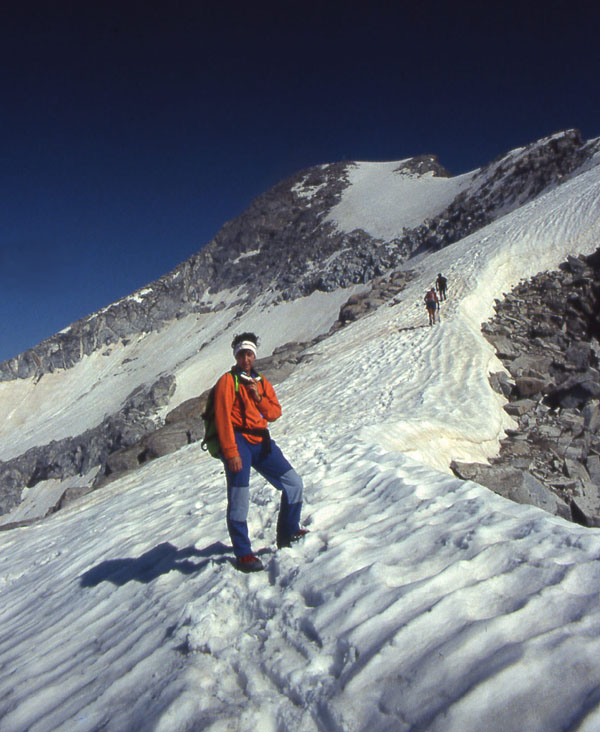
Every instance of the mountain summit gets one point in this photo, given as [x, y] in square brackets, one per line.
[327, 228]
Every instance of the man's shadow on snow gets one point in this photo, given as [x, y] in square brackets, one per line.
[163, 559]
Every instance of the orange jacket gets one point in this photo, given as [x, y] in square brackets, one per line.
[228, 413]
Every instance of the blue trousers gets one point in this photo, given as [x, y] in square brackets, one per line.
[273, 467]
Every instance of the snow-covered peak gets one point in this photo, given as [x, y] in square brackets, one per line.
[384, 199]
[331, 227]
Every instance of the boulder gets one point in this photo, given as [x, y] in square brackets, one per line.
[171, 437]
[505, 348]
[581, 356]
[190, 409]
[575, 469]
[576, 265]
[500, 383]
[526, 386]
[575, 392]
[591, 416]
[529, 365]
[593, 468]
[128, 458]
[520, 407]
[516, 485]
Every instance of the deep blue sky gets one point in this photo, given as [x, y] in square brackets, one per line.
[131, 131]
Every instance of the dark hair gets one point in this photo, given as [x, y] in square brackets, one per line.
[253, 338]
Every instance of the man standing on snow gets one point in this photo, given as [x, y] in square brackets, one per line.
[244, 403]
[440, 283]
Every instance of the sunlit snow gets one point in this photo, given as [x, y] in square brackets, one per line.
[417, 602]
[383, 200]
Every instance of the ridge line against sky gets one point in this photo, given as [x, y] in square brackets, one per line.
[131, 132]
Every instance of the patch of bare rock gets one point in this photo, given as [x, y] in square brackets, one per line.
[546, 332]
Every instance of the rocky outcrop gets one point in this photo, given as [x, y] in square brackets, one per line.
[511, 482]
[546, 333]
[78, 455]
[381, 292]
[423, 164]
[46, 498]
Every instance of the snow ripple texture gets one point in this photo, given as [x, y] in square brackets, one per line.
[416, 602]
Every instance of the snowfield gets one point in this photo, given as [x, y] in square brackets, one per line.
[417, 602]
[383, 201]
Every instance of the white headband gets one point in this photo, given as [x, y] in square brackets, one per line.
[244, 346]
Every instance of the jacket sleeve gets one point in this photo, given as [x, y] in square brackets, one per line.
[224, 398]
[269, 406]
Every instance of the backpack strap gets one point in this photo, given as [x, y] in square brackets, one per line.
[236, 381]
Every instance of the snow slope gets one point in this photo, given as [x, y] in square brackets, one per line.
[383, 200]
[66, 403]
[417, 602]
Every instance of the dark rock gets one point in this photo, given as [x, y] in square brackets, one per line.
[575, 392]
[505, 348]
[520, 407]
[575, 265]
[72, 494]
[424, 164]
[593, 468]
[517, 448]
[171, 437]
[190, 409]
[514, 484]
[382, 290]
[16, 524]
[527, 386]
[501, 383]
[125, 459]
[528, 365]
[575, 469]
[581, 356]
[591, 416]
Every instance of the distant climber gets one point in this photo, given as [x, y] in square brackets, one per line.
[440, 283]
[431, 303]
[244, 402]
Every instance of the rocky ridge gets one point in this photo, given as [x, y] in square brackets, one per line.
[546, 333]
[282, 244]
